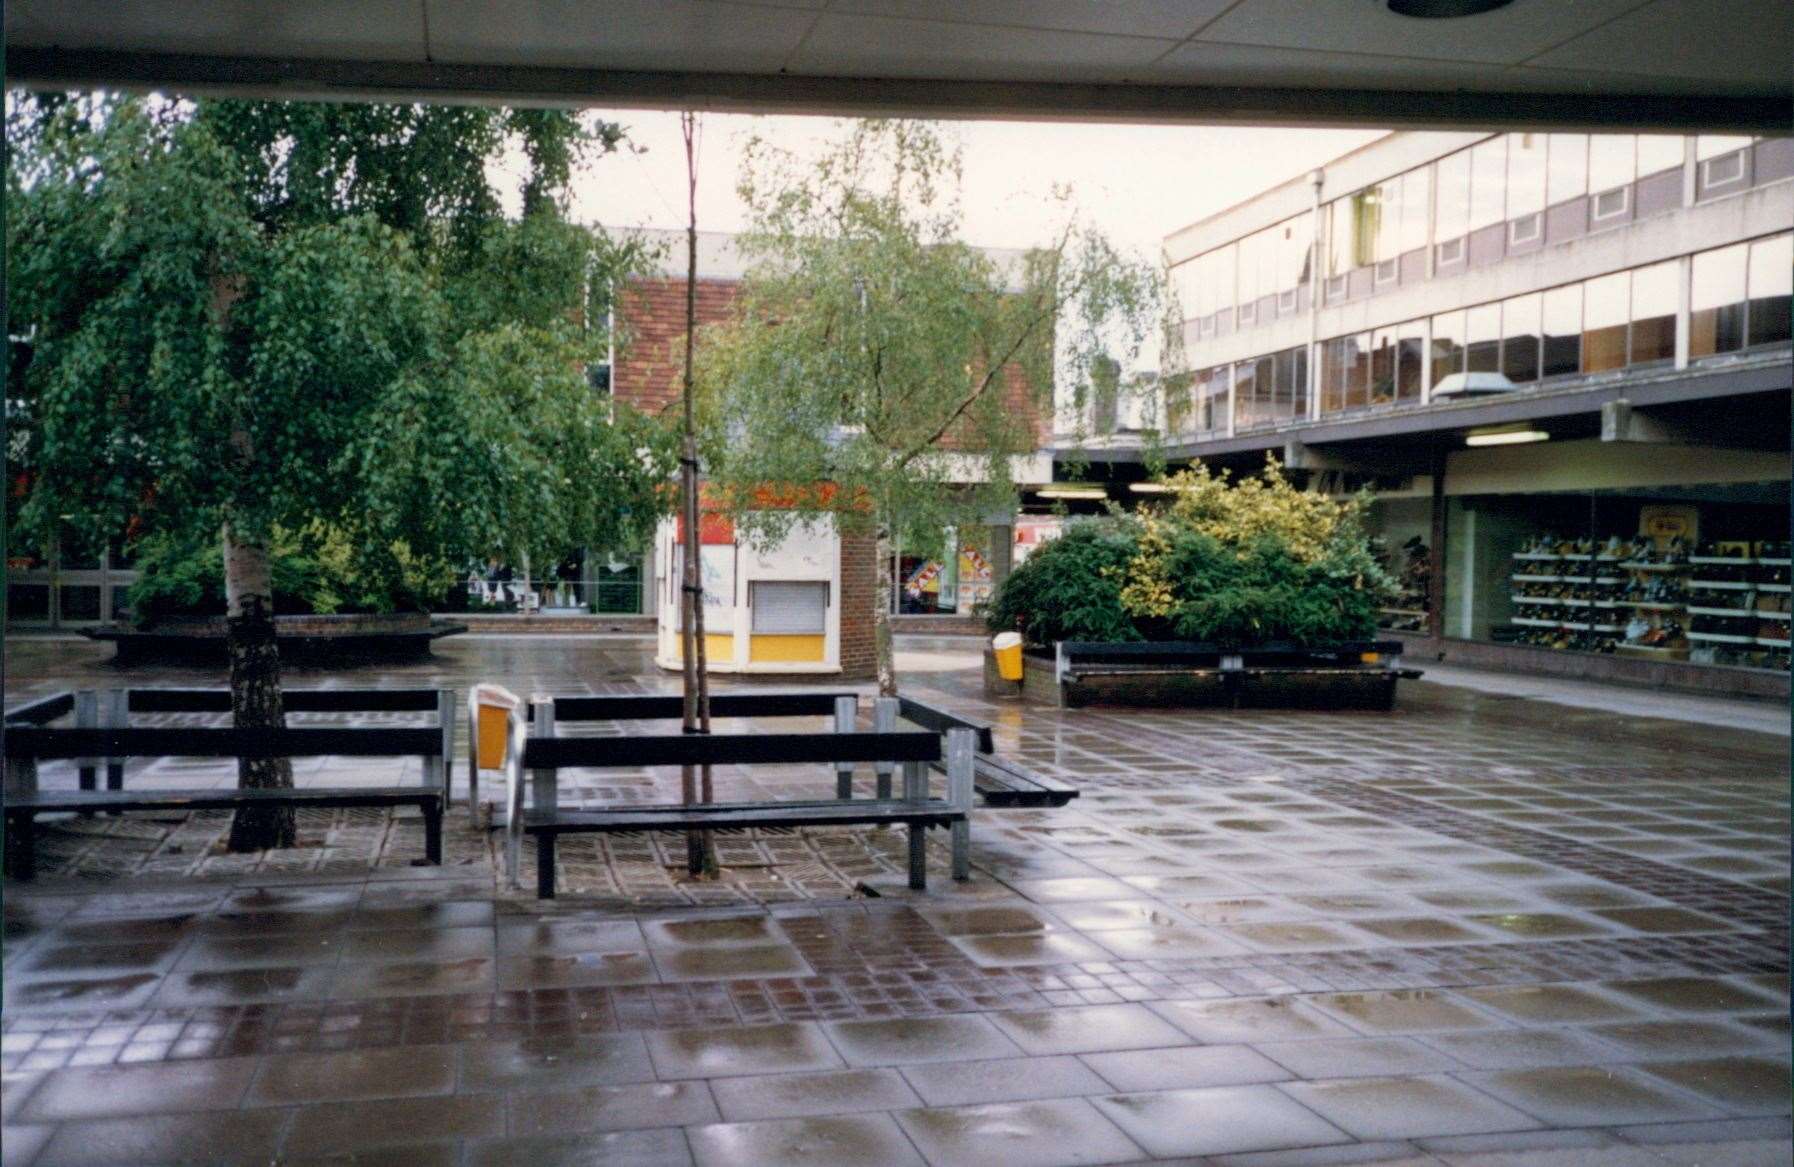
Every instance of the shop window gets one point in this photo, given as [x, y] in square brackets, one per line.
[1717, 301]
[1482, 339]
[1520, 326]
[1292, 382]
[1448, 345]
[1566, 168]
[1659, 152]
[1605, 304]
[1245, 396]
[788, 608]
[1382, 367]
[1410, 361]
[1562, 332]
[1526, 177]
[1771, 274]
[79, 602]
[1488, 183]
[1654, 313]
[1451, 216]
[27, 602]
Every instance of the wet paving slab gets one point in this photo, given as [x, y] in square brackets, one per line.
[1473, 930]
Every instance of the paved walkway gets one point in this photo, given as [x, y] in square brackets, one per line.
[1479, 930]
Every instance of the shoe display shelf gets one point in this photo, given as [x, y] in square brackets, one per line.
[1739, 604]
[1568, 596]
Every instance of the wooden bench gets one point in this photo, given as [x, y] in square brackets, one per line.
[545, 716]
[27, 745]
[1001, 783]
[914, 809]
[1372, 662]
[112, 709]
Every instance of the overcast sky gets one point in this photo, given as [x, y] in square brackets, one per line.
[1137, 182]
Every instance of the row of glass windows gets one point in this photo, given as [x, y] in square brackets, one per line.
[1511, 178]
[1739, 297]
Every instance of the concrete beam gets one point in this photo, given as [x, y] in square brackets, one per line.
[1622, 422]
[320, 78]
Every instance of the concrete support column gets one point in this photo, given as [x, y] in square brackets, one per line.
[1002, 547]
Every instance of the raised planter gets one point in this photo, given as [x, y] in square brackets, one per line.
[1278, 682]
[313, 641]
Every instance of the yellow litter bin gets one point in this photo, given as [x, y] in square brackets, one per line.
[1008, 649]
[489, 710]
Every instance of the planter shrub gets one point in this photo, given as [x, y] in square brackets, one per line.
[1070, 588]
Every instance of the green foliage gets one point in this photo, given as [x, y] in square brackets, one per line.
[1070, 587]
[319, 570]
[1237, 564]
[872, 338]
[281, 315]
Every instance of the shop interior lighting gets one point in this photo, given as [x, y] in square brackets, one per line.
[1153, 488]
[1444, 9]
[1071, 490]
[1510, 436]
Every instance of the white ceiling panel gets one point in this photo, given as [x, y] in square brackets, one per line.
[1174, 19]
[674, 35]
[1507, 35]
[850, 45]
[1723, 41]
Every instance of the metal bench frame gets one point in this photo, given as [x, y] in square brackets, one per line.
[912, 750]
[26, 745]
[1002, 783]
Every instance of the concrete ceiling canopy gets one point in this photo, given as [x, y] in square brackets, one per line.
[1619, 64]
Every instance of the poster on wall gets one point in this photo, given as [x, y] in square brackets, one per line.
[1031, 531]
[974, 578]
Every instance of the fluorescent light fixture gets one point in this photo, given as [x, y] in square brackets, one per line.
[1152, 488]
[1071, 490]
[1506, 436]
[1445, 9]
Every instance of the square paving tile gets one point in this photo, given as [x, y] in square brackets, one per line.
[798, 1095]
[1167, 943]
[1073, 888]
[1501, 1049]
[528, 1063]
[1218, 1121]
[907, 1041]
[1693, 994]
[1742, 1085]
[350, 1128]
[721, 963]
[392, 1072]
[823, 1141]
[1003, 1080]
[1085, 1029]
[1549, 1004]
[713, 932]
[1357, 1057]
[551, 937]
[1105, 915]
[1292, 936]
[1406, 1108]
[1683, 1037]
[1047, 948]
[1059, 1133]
[645, 1148]
[1224, 1022]
[1589, 1096]
[574, 970]
[724, 1050]
[610, 1108]
[1401, 1011]
[1664, 921]
[152, 1088]
[1419, 930]
[1540, 925]
[216, 1137]
[1185, 1067]
[991, 920]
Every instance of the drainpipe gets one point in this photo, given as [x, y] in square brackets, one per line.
[1316, 286]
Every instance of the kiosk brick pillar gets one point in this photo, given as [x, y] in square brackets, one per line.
[859, 584]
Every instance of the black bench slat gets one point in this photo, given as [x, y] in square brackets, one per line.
[44, 709]
[344, 742]
[50, 801]
[294, 700]
[718, 816]
[1004, 784]
[940, 721]
[723, 749]
[661, 708]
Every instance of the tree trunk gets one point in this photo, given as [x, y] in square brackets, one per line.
[255, 698]
[881, 616]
